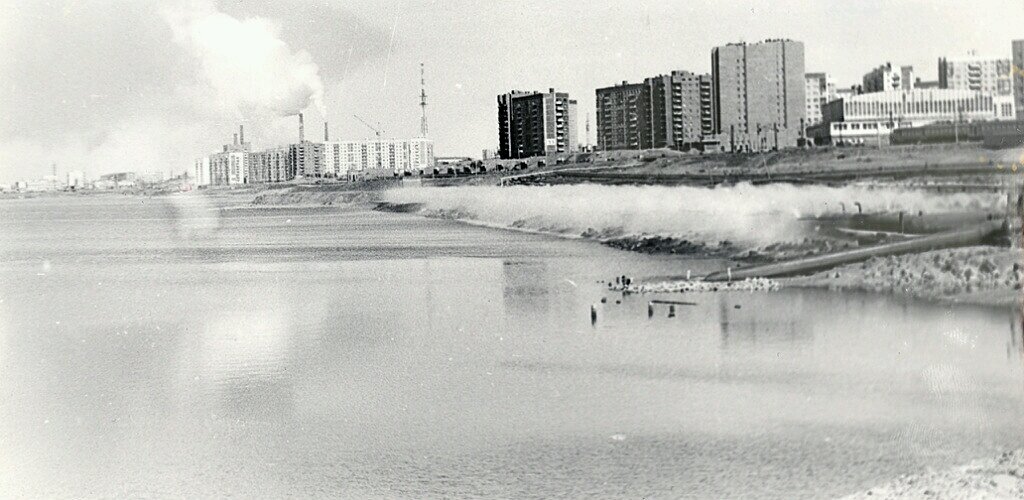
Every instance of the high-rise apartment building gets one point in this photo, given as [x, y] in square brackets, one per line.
[666, 111]
[886, 78]
[535, 124]
[680, 110]
[759, 94]
[620, 116]
[819, 90]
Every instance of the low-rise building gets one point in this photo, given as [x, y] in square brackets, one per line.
[868, 118]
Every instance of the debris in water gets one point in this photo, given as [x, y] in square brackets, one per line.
[695, 286]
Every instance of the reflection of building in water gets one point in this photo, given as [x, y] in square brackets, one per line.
[1015, 347]
[525, 292]
[749, 326]
[245, 355]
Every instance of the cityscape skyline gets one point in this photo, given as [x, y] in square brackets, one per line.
[368, 64]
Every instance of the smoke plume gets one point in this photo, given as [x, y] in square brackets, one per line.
[245, 61]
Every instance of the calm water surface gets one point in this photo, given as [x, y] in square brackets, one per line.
[171, 347]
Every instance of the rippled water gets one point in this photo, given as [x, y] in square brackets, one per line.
[173, 347]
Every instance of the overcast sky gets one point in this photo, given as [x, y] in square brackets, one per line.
[107, 85]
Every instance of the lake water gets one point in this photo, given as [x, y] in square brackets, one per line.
[171, 347]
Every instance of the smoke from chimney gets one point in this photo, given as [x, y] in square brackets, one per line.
[302, 130]
[326, 137]
[241, 134]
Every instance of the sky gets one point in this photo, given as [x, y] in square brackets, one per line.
[117, 85]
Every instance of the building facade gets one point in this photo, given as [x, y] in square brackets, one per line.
[759, 94]
[991, 75]
[886, 78]
[535, 124]
[269, 165]
[1018, 77]
[871, 117]
[819, 90]
[619, 116]
[681, 110]
[988, 75]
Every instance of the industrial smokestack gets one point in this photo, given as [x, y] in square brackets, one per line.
[241, 134]
[326, 137]
[302, 130]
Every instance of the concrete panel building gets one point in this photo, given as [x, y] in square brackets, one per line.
[989, 75]
[536, 124]
[819, 90]
[681, 110]
[269, 165]
[619, 116]
[887, 78]
[759, 94]
[1017, 51]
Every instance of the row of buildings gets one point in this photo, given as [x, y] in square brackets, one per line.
[759, 97]
[237, 163]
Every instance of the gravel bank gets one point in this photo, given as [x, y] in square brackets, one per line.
[983, 275]
[1002, 477]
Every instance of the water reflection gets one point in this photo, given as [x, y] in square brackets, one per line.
[311, 353]
[747, 326]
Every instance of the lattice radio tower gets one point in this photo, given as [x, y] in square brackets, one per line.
[423, 103]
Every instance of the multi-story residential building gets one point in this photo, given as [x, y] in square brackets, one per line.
[201, 171]
[269, 165]
[871, 117]
[759, 94]
[973, 72]
[819, 90]
[421, 154]
[680, 108]
[989, 75]
[1017, 68]
[229, 168]
[535, 124]
[379, 157]
[886, 78]
[619, 116]
[306, 159]
[666, 111]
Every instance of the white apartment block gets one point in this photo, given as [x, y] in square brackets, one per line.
[379, 156]
[820, 89]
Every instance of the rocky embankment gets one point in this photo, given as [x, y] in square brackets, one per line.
[998, 478]
[989, 275]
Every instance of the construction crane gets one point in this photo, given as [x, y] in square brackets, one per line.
[375, 130]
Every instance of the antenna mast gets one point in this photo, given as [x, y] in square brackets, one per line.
[423, 103]
[587, 140]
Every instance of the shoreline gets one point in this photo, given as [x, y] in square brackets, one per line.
[999, 477]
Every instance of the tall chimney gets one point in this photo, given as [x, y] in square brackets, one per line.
[241, 134]
[302, 131]
[326, 137]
